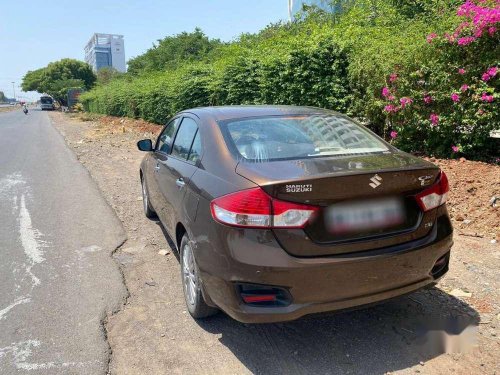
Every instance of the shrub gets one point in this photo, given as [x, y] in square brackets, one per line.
[314, 75]
[448, 105]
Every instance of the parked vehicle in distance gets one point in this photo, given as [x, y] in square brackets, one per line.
[47, 103]
[282, 211]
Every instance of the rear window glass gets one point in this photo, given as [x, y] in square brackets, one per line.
[298, 137]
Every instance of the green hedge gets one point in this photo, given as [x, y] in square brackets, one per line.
[314, 74]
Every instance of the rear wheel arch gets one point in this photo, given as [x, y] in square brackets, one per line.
[197, 305]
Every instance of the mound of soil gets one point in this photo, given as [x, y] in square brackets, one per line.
[474, 198]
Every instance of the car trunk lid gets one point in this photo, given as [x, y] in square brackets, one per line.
[367, 201]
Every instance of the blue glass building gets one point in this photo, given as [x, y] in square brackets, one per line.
[106, 50]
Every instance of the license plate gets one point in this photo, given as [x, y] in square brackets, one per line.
[364, 215]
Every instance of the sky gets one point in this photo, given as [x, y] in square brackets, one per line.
[34, 33]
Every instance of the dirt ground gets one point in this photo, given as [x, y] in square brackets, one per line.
[154, 334]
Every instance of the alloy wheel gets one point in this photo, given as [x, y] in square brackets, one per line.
[189, 274]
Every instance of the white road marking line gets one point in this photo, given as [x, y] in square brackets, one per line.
[90, 249]
[21, 351]
[19, 301]
[7, 183]
[29, 236]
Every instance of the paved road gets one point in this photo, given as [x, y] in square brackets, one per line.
[57, 279]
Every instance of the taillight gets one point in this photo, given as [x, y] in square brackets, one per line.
[436, 195]
[255, 209]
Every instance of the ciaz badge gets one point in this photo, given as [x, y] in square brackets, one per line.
[424, 180]
[298, 188]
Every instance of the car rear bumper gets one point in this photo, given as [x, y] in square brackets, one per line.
[318, 284]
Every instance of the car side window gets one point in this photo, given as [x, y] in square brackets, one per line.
[195, 153]
[184, 138]
[166, 136]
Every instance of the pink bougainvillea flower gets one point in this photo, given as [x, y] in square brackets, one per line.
[455, 148]
[455, 97]
[431, 37]
[394, 134]
[391, 97]
[393, 77]
[481, 16]
[480, 112]
[486, 77]
[405, 101]
[464, 88]
[428, 99]
[478, 33]
[466, 40]
[461, 71]
[434, 119]
[391, 108]
[487, 98]
[492, 71]
[385, 92]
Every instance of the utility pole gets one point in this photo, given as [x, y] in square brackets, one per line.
[14, 89]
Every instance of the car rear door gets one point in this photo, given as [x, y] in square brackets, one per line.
[162, 150]
[175, 171]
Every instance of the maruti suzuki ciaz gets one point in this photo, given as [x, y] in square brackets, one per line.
[282, 211]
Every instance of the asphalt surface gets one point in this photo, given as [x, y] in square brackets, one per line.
[57, 279]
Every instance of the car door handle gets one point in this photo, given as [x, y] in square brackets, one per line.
[157, 168]
[180, 182]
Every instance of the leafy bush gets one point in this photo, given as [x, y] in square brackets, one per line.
[314, 74]
[173, 51]
[447, 105]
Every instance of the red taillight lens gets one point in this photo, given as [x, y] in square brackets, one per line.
[436, 195]
[254, 208]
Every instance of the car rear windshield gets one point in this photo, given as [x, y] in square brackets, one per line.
[298, 137]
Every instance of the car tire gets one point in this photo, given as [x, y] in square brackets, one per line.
[191, 284]
[148, 209]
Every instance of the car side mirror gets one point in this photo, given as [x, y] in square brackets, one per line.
[145, 145]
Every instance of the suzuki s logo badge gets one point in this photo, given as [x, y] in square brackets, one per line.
[424, 180]
[376, 181]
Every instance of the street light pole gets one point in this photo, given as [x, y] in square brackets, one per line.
[14, 89]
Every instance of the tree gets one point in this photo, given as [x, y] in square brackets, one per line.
[106, 74]
[2, 97]
[172, 51]
[56, 78]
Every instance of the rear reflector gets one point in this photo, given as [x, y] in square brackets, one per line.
[257, 299]
[253, 208]
[263, 295]
[436, 195]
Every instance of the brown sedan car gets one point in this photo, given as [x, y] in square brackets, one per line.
[281, 211]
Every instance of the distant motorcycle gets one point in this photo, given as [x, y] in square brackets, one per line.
[25, 110]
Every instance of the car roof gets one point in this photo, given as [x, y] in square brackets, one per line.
[241, 111]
